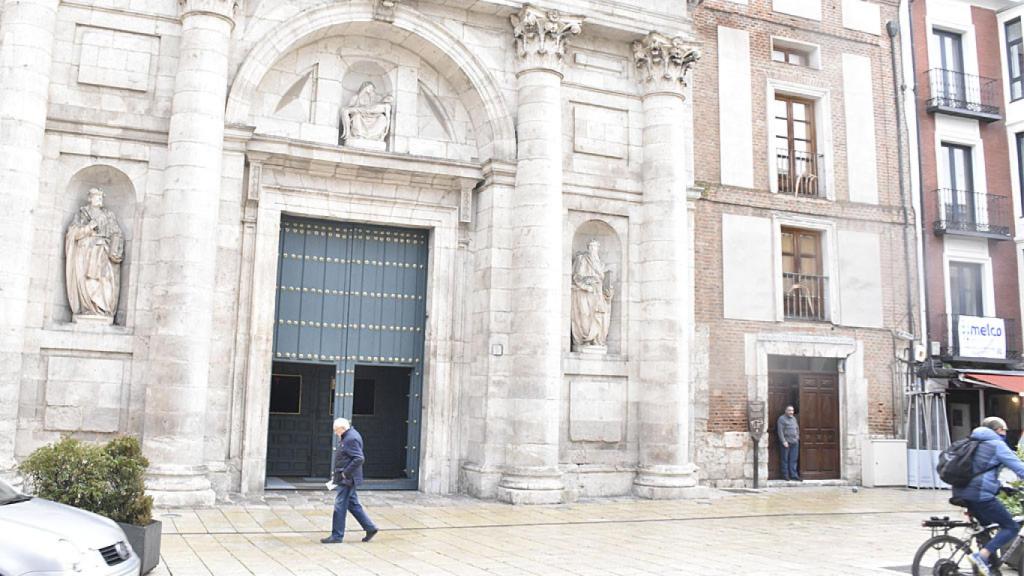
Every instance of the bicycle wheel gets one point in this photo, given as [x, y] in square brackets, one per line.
[943, 555]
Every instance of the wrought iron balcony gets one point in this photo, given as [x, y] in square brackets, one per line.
[970, 213]
[800, 173]
[960, 94]
[804, 297]
[976, 338]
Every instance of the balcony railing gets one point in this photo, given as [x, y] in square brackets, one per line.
[800, 173]
[962, 94]
[973, 214]
[976, 338]
[804, 297]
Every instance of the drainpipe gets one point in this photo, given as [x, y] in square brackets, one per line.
[893, 29]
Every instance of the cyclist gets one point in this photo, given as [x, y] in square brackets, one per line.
[980, 494]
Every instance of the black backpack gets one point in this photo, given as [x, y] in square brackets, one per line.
[956, 463]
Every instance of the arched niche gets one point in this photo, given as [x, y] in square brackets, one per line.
[119, 196]
[612, 257]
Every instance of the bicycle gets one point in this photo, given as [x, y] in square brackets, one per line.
[947, 555]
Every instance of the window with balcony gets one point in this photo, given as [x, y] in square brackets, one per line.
[798, 164]
[1015, 59]
[803, 284]
[966, 296]
[955, 92]
[962, 209]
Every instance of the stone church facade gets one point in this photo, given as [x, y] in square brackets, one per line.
[465, 225]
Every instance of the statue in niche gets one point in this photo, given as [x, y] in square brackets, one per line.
[592, 295]
[94, 248]
[367, 118]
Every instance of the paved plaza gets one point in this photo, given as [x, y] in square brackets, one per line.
[812, 530]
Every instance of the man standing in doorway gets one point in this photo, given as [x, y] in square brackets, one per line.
[348, 475]
[788, 430]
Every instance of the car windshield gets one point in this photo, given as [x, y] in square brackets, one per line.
[9, 494]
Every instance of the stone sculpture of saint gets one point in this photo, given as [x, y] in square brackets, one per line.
[367, 116]
[94, 247]
[591, 300]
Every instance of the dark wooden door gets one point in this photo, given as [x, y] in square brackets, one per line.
[380, 411]
[819, 426]
[783, 390]
[299, 435]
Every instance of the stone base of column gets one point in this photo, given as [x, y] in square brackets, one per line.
[531, 487]
[479, 481]
[668, 483]
[179, 487]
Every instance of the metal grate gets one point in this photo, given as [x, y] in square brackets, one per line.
[115, 553]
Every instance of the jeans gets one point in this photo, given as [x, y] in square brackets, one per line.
[347, 501]
[993, 512]
[789, 458]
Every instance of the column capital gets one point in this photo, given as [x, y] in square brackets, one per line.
[662, 62]
[541, 36]
[225, 9]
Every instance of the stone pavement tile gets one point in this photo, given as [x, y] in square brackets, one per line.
[178, 558]
[242, 520]
[215, 521]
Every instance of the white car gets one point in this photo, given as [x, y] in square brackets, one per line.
[42, 538]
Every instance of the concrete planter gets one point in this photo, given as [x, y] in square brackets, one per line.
[145, 541]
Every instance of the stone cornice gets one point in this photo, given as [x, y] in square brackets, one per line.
[225, 9]
[662, 62]
[541, 36]
[620, 18]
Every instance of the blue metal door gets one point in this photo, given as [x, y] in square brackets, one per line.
[354, 295]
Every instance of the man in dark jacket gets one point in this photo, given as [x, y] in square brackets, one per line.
[980, 493]
[788, 429]
[348, 475]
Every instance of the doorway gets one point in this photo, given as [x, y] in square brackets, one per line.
[380, 411]
[811, 386]
[301, 414]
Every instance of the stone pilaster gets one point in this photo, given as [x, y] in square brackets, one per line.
[531, 473]
[26, 45]
[182, 290]
[666, 466]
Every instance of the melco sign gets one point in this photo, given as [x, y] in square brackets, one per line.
[981, 337]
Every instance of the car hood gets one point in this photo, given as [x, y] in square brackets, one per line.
[83, 528]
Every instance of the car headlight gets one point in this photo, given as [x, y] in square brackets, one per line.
[122, 550]
[69, 555]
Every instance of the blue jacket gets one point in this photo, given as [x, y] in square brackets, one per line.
[348, 459]
[991, 454]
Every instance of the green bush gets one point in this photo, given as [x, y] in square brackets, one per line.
[1013, 502]
[106, 479]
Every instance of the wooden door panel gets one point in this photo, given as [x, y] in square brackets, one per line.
[819, 426]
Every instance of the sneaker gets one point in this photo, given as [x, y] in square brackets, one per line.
[330, 540]
[980, 564]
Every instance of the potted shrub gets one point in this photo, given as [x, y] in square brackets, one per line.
[105, 479]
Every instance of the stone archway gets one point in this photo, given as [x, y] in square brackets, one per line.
[489, 111]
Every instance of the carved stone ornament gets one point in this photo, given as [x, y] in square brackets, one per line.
[94, 248]
[224, 8]
[541, 36]
[662, 62]
[592, 295]
[384, 10]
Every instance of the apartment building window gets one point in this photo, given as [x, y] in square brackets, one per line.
[803, 284]
[797, 162]
[966, 296]
[1015, 59]
[1020, 165]
[790, 55]
[951, 83]
[959, 201]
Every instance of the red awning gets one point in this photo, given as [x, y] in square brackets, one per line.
[1010, 382]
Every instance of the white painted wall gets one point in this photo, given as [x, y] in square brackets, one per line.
[858, 105]
[862, 15]
[860, 279]
[748, 271]
[735, 108]
[803, 8]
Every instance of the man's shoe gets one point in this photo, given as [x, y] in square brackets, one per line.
[980, 564]
[369, 535]
[330, 540]
[798, 479]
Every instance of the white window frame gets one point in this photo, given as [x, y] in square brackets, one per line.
[962, 132]
[970, 251]
[968, 41]
[822, 129]
[812, 51]
[829, 261]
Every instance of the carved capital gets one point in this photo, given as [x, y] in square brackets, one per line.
[541, 36]
[662, 62]
[384, 10]
[225, 9]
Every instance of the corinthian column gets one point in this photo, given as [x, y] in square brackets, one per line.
[182, 290]
[531, 474]
[26, 44]
[666, 467]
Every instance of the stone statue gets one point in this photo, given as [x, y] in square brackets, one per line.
[592, 294]
[94, 248]
[367, 116]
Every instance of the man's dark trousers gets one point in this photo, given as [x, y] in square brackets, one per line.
[993, 512]
[789, 458]
[347, 501]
